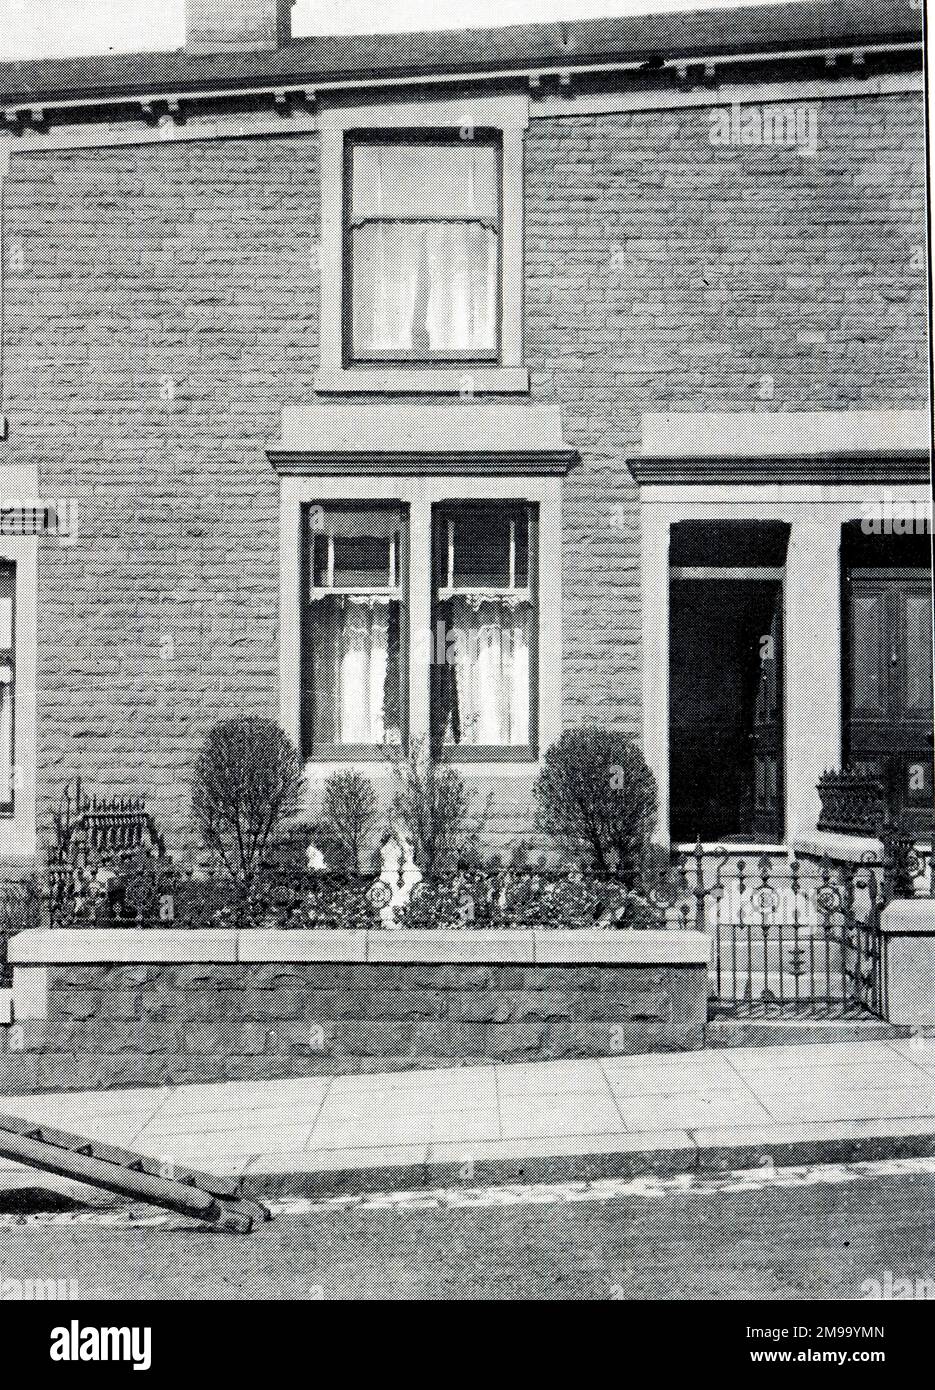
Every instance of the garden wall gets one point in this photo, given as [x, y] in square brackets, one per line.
[127, 1008]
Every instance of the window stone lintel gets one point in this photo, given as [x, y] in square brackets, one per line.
[416, 438]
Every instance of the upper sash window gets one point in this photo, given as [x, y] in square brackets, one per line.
[422, 249]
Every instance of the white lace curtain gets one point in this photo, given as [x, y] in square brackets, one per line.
[425, 249]
[355, 671]
[488, 688]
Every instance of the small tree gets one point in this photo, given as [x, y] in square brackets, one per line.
[597, 797]
[432, 805]
[349, 814]
[246, 781]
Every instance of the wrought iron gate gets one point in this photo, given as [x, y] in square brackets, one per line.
[801, 939]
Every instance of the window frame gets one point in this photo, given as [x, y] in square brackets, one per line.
[436, 139]
[506, 116]
[347, 752]
[441, 513]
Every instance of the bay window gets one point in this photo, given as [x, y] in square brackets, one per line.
[484, 624]
[353, 587]
[422, 249]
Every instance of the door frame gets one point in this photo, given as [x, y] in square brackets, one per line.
[741, 574]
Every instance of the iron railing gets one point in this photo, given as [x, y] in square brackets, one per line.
[852, 803]
[97, 829]
[160, 894]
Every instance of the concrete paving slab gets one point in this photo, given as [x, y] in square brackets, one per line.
[833, 1080]
[855, 1105]
[224, 1122]
[243, 1095]
[551, 1078]
[810, 1056]
[689, 1112]
[423, 1078]
[612, 1116]
[389, 1157]
[647, 1080]
[537, 1121]
[919, 1050]
[386, 1130]
[159, 1144]
[410, 1109]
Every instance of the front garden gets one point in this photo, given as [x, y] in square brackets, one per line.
[415, 861]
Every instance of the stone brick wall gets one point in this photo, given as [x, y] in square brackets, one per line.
[165, 308]
[664, 272]
[147, 1025]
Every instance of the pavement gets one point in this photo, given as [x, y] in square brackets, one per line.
[711, 1110]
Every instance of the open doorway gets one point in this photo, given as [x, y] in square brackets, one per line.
[725, 683]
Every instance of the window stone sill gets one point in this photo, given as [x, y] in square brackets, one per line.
[453, 381]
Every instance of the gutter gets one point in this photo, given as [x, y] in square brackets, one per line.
[36, 109]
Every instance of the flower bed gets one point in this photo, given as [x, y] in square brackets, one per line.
[20, 907]
[467, 898]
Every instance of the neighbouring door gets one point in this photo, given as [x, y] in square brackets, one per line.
[888, 719]
[725, 709]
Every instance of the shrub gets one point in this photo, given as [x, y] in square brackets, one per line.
[431, 806]
[348, 817]
[20, 909]
[247, 780]
[597, 797]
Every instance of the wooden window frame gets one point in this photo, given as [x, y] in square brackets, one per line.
[436, 139]
[487, 753]
[347, 752]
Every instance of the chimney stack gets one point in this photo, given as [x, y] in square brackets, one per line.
[237, 26]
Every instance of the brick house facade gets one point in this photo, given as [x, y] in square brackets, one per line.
[710, 365]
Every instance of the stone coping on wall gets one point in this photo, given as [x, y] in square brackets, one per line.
[909, 917]
[73, 946]
[848, 849]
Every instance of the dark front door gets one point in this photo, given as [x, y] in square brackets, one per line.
[725, 702]
[888, 725]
